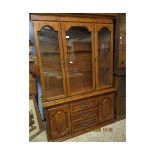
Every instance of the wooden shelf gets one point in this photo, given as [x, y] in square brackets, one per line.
[78, 51]
[77, 97]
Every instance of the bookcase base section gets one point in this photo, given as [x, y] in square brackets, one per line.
[77, 117]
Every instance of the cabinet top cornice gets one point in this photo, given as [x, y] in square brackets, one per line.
[88, 18]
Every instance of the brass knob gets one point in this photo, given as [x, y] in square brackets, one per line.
[104, 100]
[84, 124]
[84, 105]
[84, 115]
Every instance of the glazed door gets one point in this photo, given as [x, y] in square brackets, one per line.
[79, 56]
[59, 121]
[104, 55]
[48, 41]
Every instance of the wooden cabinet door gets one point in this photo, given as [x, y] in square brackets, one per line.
[106, 108]
[48, 41]
[104, 55]
[59, 123]
[79, 56]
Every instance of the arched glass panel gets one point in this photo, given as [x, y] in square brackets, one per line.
[51, 61]
[79, 51]
[104, 57]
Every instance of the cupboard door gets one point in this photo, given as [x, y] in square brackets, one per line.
[49, 48]
[106, 108]
[79, 54]
[104, 55]
[59, 121]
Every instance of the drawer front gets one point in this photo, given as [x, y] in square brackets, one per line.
[84, 124]
[84, 104]
[84, 114]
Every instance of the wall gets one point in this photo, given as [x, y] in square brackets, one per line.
[31, 37]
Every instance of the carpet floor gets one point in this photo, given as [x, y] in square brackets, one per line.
[115, 132]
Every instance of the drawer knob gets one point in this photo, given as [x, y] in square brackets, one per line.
[105, 100]
[84, 105]
[84, 115]
[84, 124]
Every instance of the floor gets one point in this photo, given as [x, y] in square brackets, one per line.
[115, 132]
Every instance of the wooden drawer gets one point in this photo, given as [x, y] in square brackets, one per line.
[84, 124]
[84, 114]
[83, 104]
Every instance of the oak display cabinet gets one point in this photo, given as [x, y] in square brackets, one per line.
[75, 56]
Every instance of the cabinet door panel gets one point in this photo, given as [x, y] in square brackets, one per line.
[78, 43]
[49, 47]
[59, 121]
[106, 108]
[104, 55]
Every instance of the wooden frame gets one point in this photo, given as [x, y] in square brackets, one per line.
[34, 118]
[38, 25]
[98, 27]
[65, 27]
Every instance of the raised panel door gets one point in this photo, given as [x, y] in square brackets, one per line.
[106, 108]
[59, 121]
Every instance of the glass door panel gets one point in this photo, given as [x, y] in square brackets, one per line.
[104, 57]
[51, 61]
[79, 59]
